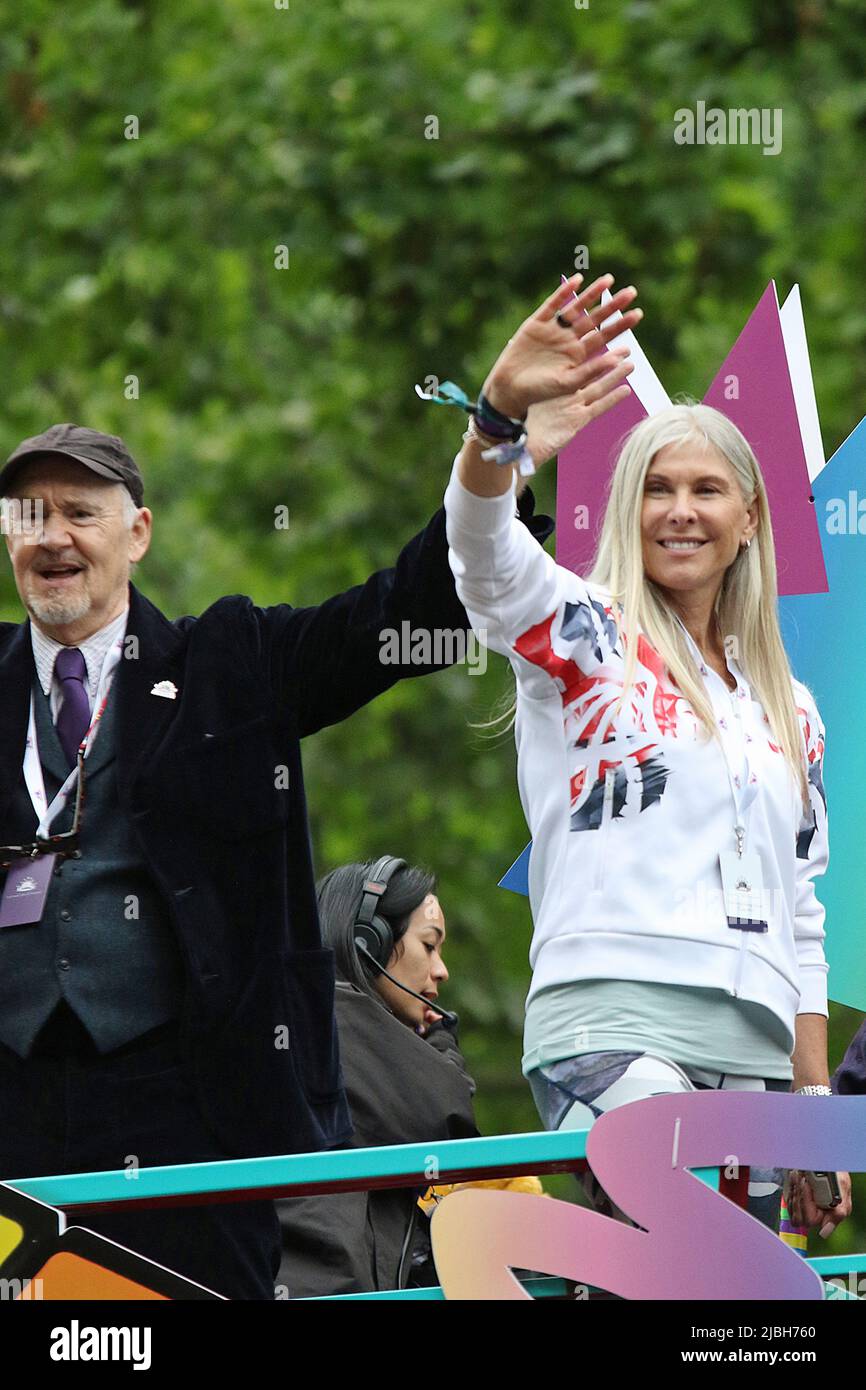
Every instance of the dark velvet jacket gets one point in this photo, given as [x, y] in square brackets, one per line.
[213, 785]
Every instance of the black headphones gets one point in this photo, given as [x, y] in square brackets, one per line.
[372, 935]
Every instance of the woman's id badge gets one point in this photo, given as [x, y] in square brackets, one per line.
[743, 888]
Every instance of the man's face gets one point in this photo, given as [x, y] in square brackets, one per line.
[72, 577]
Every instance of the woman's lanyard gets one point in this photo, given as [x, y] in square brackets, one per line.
[742, 876]
[33, 767]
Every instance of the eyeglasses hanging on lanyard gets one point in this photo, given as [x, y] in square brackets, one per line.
[65, 843]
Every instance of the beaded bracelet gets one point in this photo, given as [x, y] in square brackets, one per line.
[491, 420]
[506, 435]
[508, 451]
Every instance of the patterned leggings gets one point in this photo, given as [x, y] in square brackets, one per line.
[572, 1093]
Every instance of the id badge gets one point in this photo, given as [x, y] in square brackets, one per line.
[743, 888]
[25, 890]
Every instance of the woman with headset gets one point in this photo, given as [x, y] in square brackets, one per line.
[405, 1078]
[669, 765]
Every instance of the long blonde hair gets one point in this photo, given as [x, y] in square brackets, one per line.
[746, 603]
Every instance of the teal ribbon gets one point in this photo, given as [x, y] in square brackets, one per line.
[449, 393]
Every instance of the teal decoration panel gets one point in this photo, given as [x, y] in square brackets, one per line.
[825, 636]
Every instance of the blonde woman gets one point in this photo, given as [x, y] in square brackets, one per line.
[666, 755]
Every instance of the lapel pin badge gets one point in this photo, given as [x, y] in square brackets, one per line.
[167, 689]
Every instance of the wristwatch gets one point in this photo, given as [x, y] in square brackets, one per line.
[814, 1091]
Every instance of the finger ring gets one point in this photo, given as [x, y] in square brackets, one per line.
[563, 321]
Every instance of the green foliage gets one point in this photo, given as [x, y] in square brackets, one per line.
[260, 387]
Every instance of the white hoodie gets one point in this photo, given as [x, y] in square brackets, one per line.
[628, 816]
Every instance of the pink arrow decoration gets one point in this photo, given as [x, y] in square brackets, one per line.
[583, 472]
[754, 389]
[756, 377]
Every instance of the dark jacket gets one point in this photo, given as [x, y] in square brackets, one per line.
[849, 1079]
[402, 1089]
[202, 779]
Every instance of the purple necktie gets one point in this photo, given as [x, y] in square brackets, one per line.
[73, 721]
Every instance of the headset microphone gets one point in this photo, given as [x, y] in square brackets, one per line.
[447, 1017]
[372, 934]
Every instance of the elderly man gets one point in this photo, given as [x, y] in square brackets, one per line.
[164, 996]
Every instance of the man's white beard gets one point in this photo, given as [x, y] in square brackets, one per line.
[57, 612]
